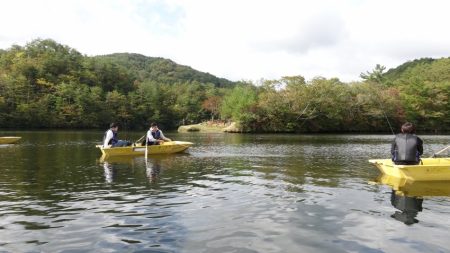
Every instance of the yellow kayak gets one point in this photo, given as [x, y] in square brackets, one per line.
[410, 188]
[9, 139]
[168, 147]
[431, 169]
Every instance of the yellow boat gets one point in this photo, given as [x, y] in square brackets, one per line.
[431, 169]
[168, 147]
[9, 139]
[410, 188]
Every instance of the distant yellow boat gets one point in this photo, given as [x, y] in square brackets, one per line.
[9, 139]
[415, 188]
[168, 147]
[431, 169]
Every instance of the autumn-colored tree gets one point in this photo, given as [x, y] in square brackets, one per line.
[212, 105]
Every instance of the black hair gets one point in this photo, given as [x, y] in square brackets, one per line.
[408, 128]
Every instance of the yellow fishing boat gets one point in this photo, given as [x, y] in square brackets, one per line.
[430, 169]
[9, 139]
[410, 188]
[168, 147]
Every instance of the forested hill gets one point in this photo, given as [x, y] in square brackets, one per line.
[397, 72]
[49, 85]
[159, 69]
[426, 69]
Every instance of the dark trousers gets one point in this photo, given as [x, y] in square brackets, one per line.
[150, 143]
[121, 143]
[406, 163]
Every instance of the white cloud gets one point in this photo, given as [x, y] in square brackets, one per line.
[241, 39]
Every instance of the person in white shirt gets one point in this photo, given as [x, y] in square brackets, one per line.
[155, 136]
[110, 138]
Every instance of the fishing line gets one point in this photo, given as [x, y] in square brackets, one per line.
[389, 123]
[384, 113]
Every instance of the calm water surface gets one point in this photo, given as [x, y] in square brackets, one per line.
[228, 193]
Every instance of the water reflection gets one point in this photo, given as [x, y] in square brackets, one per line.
[111, 166]
[409, 207]
[118, 159]
[152, 168]
[408, 196]
[233, 193]
[415, 188]
[108, 168]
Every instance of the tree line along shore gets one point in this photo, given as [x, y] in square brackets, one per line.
[48, 85]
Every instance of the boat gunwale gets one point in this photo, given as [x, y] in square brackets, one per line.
[9, 139]
[400, 166]
[178, 146]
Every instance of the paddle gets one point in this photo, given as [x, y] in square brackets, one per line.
[140, 139]
[146, 151]
[440, 151]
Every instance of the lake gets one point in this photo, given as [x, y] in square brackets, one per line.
[227, 193]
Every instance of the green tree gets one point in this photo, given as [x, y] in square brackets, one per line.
[375, 75]
[239, 105]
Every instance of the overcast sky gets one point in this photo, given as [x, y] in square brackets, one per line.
[240, 39]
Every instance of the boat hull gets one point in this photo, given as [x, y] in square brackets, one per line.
[165, 148]
[416, 188]
[432, 169]
[9, 139]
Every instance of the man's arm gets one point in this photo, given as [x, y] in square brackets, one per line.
[393, 147]
[109, 136]
[164, 137]
[419, 146]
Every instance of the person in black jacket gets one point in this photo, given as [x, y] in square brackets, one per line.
[407, 148]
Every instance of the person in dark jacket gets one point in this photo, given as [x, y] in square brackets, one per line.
[110, 138]
[155, 136]
[407, 148]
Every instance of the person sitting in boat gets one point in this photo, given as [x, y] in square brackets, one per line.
[155, 136]
[407, 148]
[110, 138]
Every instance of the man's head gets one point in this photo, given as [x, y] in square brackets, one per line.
[408, 128]
[114, 127]
[154, 126]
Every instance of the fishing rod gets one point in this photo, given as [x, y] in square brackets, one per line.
[382, 109]
[440, 151]
[387, 119]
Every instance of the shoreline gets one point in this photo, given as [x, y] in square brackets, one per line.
[205, 128]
